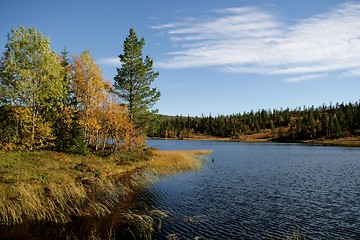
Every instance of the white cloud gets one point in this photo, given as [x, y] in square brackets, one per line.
[168, 25]
[304, 77]
[251, 40]
[109, 61]
[352, 73]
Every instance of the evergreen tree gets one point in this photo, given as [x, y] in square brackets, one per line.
[133, 82]
[309, 123]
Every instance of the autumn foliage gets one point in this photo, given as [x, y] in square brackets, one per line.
[48, 101]
[103, 119]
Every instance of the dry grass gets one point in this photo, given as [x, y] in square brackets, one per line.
[50, 186]
[54, 187]
[168, 162]
[29, 202]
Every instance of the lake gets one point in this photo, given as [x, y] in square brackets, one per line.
[260, 191]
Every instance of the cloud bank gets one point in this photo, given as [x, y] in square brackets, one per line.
[252, 40]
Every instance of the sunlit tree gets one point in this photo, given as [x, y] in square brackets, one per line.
[88, 86]
[31, 82]
[133, 81]
[100, 114]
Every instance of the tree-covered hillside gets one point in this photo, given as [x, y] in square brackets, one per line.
[305, 123]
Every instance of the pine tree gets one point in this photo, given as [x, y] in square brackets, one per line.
[133, 82]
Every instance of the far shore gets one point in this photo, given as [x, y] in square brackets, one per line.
[264, 137]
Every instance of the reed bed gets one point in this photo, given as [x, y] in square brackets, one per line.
[169, 162]
[53, 187]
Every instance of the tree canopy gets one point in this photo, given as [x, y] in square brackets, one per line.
[308, 123]
[50, 101]
[133, 81]
[31, 84]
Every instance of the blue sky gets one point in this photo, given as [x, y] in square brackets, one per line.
[218, 57]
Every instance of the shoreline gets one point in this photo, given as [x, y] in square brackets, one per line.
[106, 188]
[341, 142]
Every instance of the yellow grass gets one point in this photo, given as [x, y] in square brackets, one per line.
[167, 162]
[51, 186]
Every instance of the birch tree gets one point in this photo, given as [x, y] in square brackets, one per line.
[88, 87]
[31, 81]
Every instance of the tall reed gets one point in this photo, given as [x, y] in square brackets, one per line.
[49, 186]
[54, 187]
[168, 162]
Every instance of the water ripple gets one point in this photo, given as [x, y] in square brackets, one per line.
[263, 191]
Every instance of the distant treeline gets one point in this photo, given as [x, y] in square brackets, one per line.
[340, 120]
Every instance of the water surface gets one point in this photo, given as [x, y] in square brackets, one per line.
[261, 191]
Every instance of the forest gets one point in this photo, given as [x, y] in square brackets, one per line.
[307, 123]
[59, 102]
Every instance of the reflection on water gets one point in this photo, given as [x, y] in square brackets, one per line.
[257, 191]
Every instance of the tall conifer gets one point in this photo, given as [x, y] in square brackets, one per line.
[133, 82]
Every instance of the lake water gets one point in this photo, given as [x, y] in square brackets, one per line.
[260, 191]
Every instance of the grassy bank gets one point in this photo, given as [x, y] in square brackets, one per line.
[141, 222]
[51, 186]
[54, 187]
